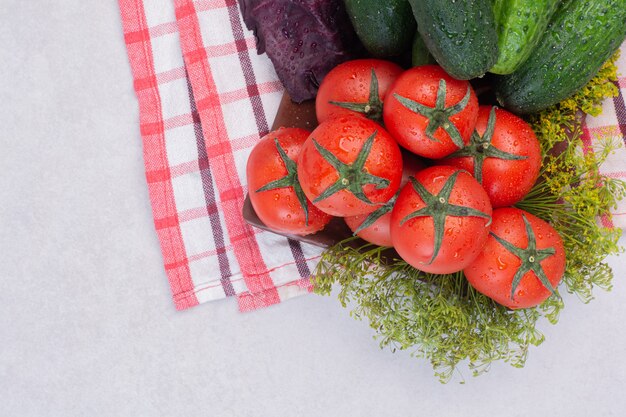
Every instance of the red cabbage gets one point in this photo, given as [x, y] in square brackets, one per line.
[305, 39]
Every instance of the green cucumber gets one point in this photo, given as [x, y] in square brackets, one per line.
[420, 55]
[520, 26]
[460, 35]
[385, 28]
[581, 36]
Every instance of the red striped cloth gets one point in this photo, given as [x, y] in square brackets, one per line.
[611, 125]
[205, 98]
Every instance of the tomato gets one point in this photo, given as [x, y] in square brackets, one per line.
[441, 219]
[429, 112]
[349, 166]
[357, 86]
[504, 155]
[522, 261]
[375, 226]
[274, 190]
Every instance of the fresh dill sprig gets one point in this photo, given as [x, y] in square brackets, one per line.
[437, 317]
[572, 194]
[441, 317]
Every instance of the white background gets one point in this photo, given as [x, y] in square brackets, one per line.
[87, 326]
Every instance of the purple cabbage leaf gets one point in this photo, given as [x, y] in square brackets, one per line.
[304, 39]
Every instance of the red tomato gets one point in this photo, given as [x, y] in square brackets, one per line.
[375, 226]
[357, 86]
[349, 166]
[429, 112]
[377, 232]
[274, 190]
[440, 221]
[504, 155]
[522, 261]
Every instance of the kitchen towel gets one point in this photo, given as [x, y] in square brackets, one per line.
[205, 98]
[611, 125]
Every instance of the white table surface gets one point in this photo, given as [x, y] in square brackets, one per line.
[87, 326]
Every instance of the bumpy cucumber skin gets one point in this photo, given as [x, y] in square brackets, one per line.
[385, 27]
[460, 35]
[581, 36]
[419, 54]
[520, 26]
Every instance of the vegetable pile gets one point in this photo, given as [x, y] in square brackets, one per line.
[467, 216]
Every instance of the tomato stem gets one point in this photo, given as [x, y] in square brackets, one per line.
[530, 257]
[439, 116]
[373, 108]
[289, 180]
[439, 208]
[377, 214]
[352, 177]
[481, 148]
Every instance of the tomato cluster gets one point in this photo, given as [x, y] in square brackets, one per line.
[444, 203]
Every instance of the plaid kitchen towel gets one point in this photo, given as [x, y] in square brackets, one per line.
[205, 98]
[611, 124]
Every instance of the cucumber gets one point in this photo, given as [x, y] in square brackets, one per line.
[385, 28]
[581, 36]
[460, 35]
[419, 54]
[520, 26]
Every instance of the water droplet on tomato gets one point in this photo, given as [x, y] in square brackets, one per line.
[344, 143]
[501, 264]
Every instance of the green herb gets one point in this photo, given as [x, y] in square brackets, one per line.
[441, 317]
[573, 195]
